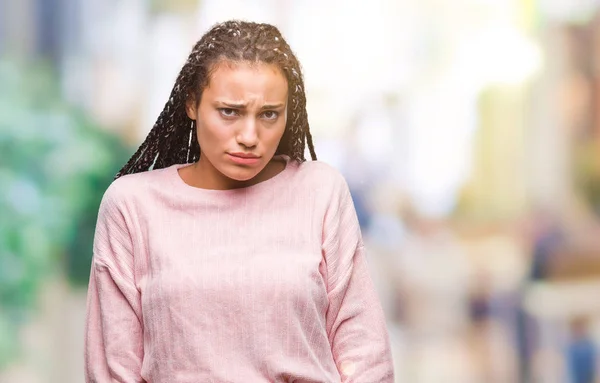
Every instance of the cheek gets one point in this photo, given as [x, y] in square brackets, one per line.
[211, 130]
[275, 135]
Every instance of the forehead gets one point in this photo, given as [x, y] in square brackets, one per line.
[240, 80]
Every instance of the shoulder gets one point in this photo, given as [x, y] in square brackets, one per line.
[323, 180]
[321, 173]
[130, 188]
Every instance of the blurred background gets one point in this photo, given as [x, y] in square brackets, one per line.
[468, 131]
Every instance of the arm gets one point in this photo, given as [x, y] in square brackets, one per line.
[355, 320]
[114, 333]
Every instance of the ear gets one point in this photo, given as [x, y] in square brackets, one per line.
[190, 108]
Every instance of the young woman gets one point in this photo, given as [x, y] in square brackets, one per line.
[220, 254]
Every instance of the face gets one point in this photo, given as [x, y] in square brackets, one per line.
[240, 120]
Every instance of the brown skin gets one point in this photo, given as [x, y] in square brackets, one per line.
[243, 109]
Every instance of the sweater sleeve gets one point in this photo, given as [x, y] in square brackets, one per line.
[114, 333]
[355, 320]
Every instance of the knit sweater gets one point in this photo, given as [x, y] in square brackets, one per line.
[267, 283]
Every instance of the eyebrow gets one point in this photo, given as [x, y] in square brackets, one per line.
[237, 105]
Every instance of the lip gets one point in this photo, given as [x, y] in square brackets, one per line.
[244, 155]
[243, 158]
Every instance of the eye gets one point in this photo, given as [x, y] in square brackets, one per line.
[271, 115]
[228, 112]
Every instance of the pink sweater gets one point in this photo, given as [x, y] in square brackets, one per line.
[267, 283]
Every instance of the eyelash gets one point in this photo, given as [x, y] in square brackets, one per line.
[227, 113]
[275, 114]
[224, 111]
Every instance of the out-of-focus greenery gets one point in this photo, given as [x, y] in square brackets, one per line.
[166, 6]
[587, 173]
[55, 165]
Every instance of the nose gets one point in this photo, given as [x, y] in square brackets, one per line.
[247, 134]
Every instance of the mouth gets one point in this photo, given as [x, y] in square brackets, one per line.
[244, 155]
[243, 158]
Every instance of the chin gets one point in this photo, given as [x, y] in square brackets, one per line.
[240, 174]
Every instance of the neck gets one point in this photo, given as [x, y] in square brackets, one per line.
[203, 175]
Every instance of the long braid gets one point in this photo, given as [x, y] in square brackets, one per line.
[169, 143]
[311, 146]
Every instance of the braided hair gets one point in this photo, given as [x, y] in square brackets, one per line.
[173, 138]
